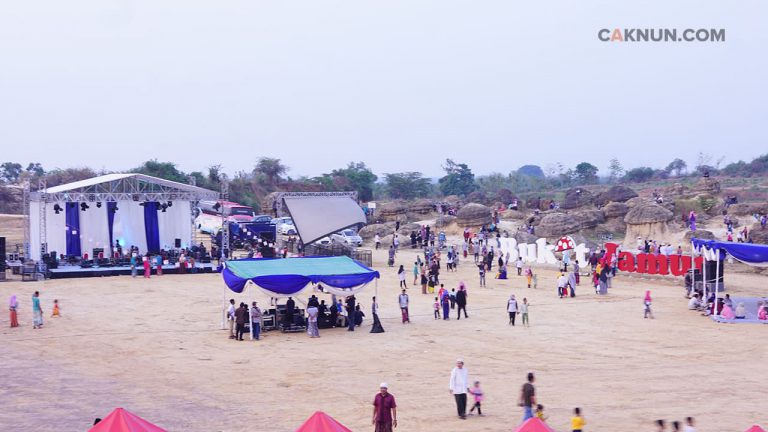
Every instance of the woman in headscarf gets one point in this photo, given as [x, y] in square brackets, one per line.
[377, 327]
[13, 306]
[647, 303]
[692, 220]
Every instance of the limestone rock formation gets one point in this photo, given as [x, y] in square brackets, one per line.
[616, 194]
[473, 215]
[577, 197]
[615, 210]
[369, 231]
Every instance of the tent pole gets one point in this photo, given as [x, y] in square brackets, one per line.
[704, 272]
[250, 322]
[224, 308]
[717, 273]
[693, 274]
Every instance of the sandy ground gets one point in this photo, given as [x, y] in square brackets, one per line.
[155, 347]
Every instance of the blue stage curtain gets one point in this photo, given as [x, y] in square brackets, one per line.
[73, 229]
[111, 206]
[151, 227]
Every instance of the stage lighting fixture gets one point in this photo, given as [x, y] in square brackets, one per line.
[84, 206]
[164, 207]
[98, 204]
[170, 203]
[57, 208]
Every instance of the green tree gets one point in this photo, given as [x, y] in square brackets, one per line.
[68, 175]
[10, 172]
[35, 169]
[638, 175]
[358, 178]
[163, 170]
[616, 170]
[585, 173]
[406, 185]
[271, 168]
[458, 179]
[677, 166]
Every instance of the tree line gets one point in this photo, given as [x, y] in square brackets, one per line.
[270, 175]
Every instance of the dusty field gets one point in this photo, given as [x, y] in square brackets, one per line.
[155, 347]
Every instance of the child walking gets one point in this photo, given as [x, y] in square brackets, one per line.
[56, 310]
[524, 312]
[539, 414]
[647, 303]
[529, 275]
[436, 307]
[577, 421]
[477, 392]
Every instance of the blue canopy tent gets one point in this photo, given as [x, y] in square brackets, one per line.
[711, 250]
[278, 277]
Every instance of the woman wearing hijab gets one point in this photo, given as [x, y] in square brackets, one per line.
[377, 327]
[647, 302]
[13, 306]
[401, 276]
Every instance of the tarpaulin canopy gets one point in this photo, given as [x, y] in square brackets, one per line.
[534, 425]
[748, 253]
[338, 212]
[121, 420]
[322, 422]
[287, 276]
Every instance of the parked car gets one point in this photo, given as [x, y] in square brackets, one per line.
[348, 237]
[285, 225]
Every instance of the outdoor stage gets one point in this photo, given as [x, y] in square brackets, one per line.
[66, 272]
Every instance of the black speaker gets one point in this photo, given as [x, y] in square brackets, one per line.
[177, 243]
[712, 271]
[2, 254]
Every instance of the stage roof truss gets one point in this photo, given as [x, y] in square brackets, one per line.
[123, 187]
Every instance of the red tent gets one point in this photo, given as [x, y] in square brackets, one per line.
[755, 428]
[534, 425]
[322, 422]
[121, 420]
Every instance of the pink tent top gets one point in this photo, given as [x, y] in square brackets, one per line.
[534, 425]
[755, 428]
[322, 422]
[121, 420]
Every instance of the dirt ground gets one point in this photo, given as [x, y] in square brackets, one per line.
[156, 348]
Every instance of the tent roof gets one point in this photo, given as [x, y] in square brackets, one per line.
[290, 275]
[322, 422]
[108, 178]
[534, 425]
[755, 428]
[749, 253]
[316, 216]
[121, 420]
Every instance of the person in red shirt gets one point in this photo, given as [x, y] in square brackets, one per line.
[384, 410]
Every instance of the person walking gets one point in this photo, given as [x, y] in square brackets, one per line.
[481, 268]
[416, 270]
[377, 240]
[528, 397]
[377, 327]
[519, 266]
[312, 314]
[37, 311]
[524, 312]
[477, 392]
[401, 277]
[403, 301]
[351, 313]
[446, 303]
[461, 301]
[147, 267]
[384, 410]
[512, 309]
[647, 302]
[458, 386]
[256, 316]
[529, 275]
[13, 306]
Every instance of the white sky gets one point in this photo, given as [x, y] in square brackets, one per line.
[399, 84]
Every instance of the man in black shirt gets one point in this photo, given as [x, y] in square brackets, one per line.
[528, 397]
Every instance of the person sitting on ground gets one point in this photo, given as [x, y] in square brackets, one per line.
[762, 313]
[359, 315]
[728, 301]
[741, 311]
[502, 272]
[727, 312]
[694, 303]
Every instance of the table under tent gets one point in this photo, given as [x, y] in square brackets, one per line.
[279, 278]
[747, 253]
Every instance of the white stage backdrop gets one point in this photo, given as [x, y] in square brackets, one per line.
[94, 228]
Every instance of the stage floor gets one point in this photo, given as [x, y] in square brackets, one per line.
[66, 272]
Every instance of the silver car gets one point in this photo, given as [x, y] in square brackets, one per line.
[348, 237]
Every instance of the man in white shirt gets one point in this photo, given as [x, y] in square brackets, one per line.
[694, 303]
[562, 282]
[403, 301]
[231, 318]
[458, 386]
[689, 425]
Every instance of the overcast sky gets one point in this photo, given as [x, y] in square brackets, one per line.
[398, 84]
